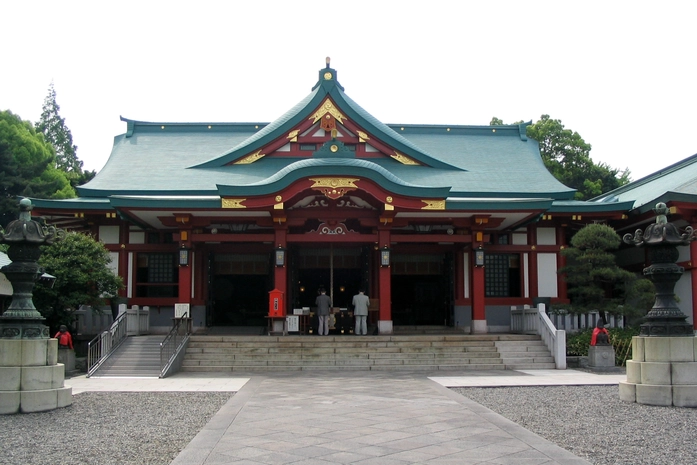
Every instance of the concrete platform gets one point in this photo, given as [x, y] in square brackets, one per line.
[385, 418]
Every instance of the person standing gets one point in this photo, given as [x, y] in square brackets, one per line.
[360, 311]
[323, 303]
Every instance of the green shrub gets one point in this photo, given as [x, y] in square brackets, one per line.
[621, 339]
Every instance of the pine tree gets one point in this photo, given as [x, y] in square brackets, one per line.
[57, 134]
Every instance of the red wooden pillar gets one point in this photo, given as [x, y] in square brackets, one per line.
[385, 287]
[479, 325]
[280, 276]
[185, 273]
[693, 276]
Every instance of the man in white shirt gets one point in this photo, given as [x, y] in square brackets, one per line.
[360, 311]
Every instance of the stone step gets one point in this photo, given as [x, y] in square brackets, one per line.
[393, 352]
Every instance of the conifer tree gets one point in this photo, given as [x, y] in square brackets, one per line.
[59, 136]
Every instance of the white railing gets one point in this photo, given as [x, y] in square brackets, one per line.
[528, 320]
[573, 323]
[138, 320]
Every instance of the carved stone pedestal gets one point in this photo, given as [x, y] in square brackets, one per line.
[663, 371]
[31, 379]
[601, 356]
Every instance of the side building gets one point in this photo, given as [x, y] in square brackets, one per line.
[439, 224]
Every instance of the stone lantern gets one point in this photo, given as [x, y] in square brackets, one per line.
[31, 379]
[663, 369]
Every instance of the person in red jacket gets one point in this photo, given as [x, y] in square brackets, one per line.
[65, 340]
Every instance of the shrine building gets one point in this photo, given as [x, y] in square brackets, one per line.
[439, 224]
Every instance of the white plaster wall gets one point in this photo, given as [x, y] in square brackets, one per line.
[683, 289]
[547, 275]
[136, 237]
[546, 236]
[519, 238]
[114, 264]
[109, 234]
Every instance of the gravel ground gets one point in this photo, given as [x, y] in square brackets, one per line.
[109, 428]
[147, 428]
[592, 422]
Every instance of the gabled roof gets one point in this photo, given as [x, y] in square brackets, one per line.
[677, 182]
[194, 163]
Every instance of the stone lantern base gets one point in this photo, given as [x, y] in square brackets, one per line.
[31, 379]
[663, 371]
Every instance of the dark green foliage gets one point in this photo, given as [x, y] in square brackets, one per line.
[567, 156]
[79, 264]
[621, 339]
[26, 167]
[596, 282]
[53, 127]
[577, 343]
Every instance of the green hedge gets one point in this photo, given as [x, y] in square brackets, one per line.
[620, 338]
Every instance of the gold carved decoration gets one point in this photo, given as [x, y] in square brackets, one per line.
[327, 108]
[278, 206]
[327, 76]
[293, 135]
[362, 136]
[233, 203]
[388, 199]
[278, 198]
[250, 158]
[389, 207]
[433, 205]
[334, 188]
[403, 159]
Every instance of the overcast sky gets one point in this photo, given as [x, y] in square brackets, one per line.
[620, 73]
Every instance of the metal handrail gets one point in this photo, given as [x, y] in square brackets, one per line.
[105, 343]
[172, 344]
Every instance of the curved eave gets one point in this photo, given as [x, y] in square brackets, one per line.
[105, 193]
[72, 204]
[361, 117]
[334, 167]
[665, 198]
[512, 196]
[269, 133]
[590, 207]
[497, 204]
[300, 112]
[165, 201]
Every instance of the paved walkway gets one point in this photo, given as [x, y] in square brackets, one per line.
[363, 418]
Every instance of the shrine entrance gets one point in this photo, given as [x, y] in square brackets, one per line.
[340, 271]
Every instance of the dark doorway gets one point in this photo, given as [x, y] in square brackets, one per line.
[240, 290]
[421, 290]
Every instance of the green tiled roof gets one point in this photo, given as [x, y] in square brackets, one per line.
[675, 182]
[185, 160]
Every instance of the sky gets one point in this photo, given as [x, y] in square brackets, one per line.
[620, 73]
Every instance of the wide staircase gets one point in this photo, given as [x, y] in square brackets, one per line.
[138, 356]
[415, 350]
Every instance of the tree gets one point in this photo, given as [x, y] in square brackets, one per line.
[79, 263]
[596, 282]
[53, 127]
[567, 156]
[27, 167]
